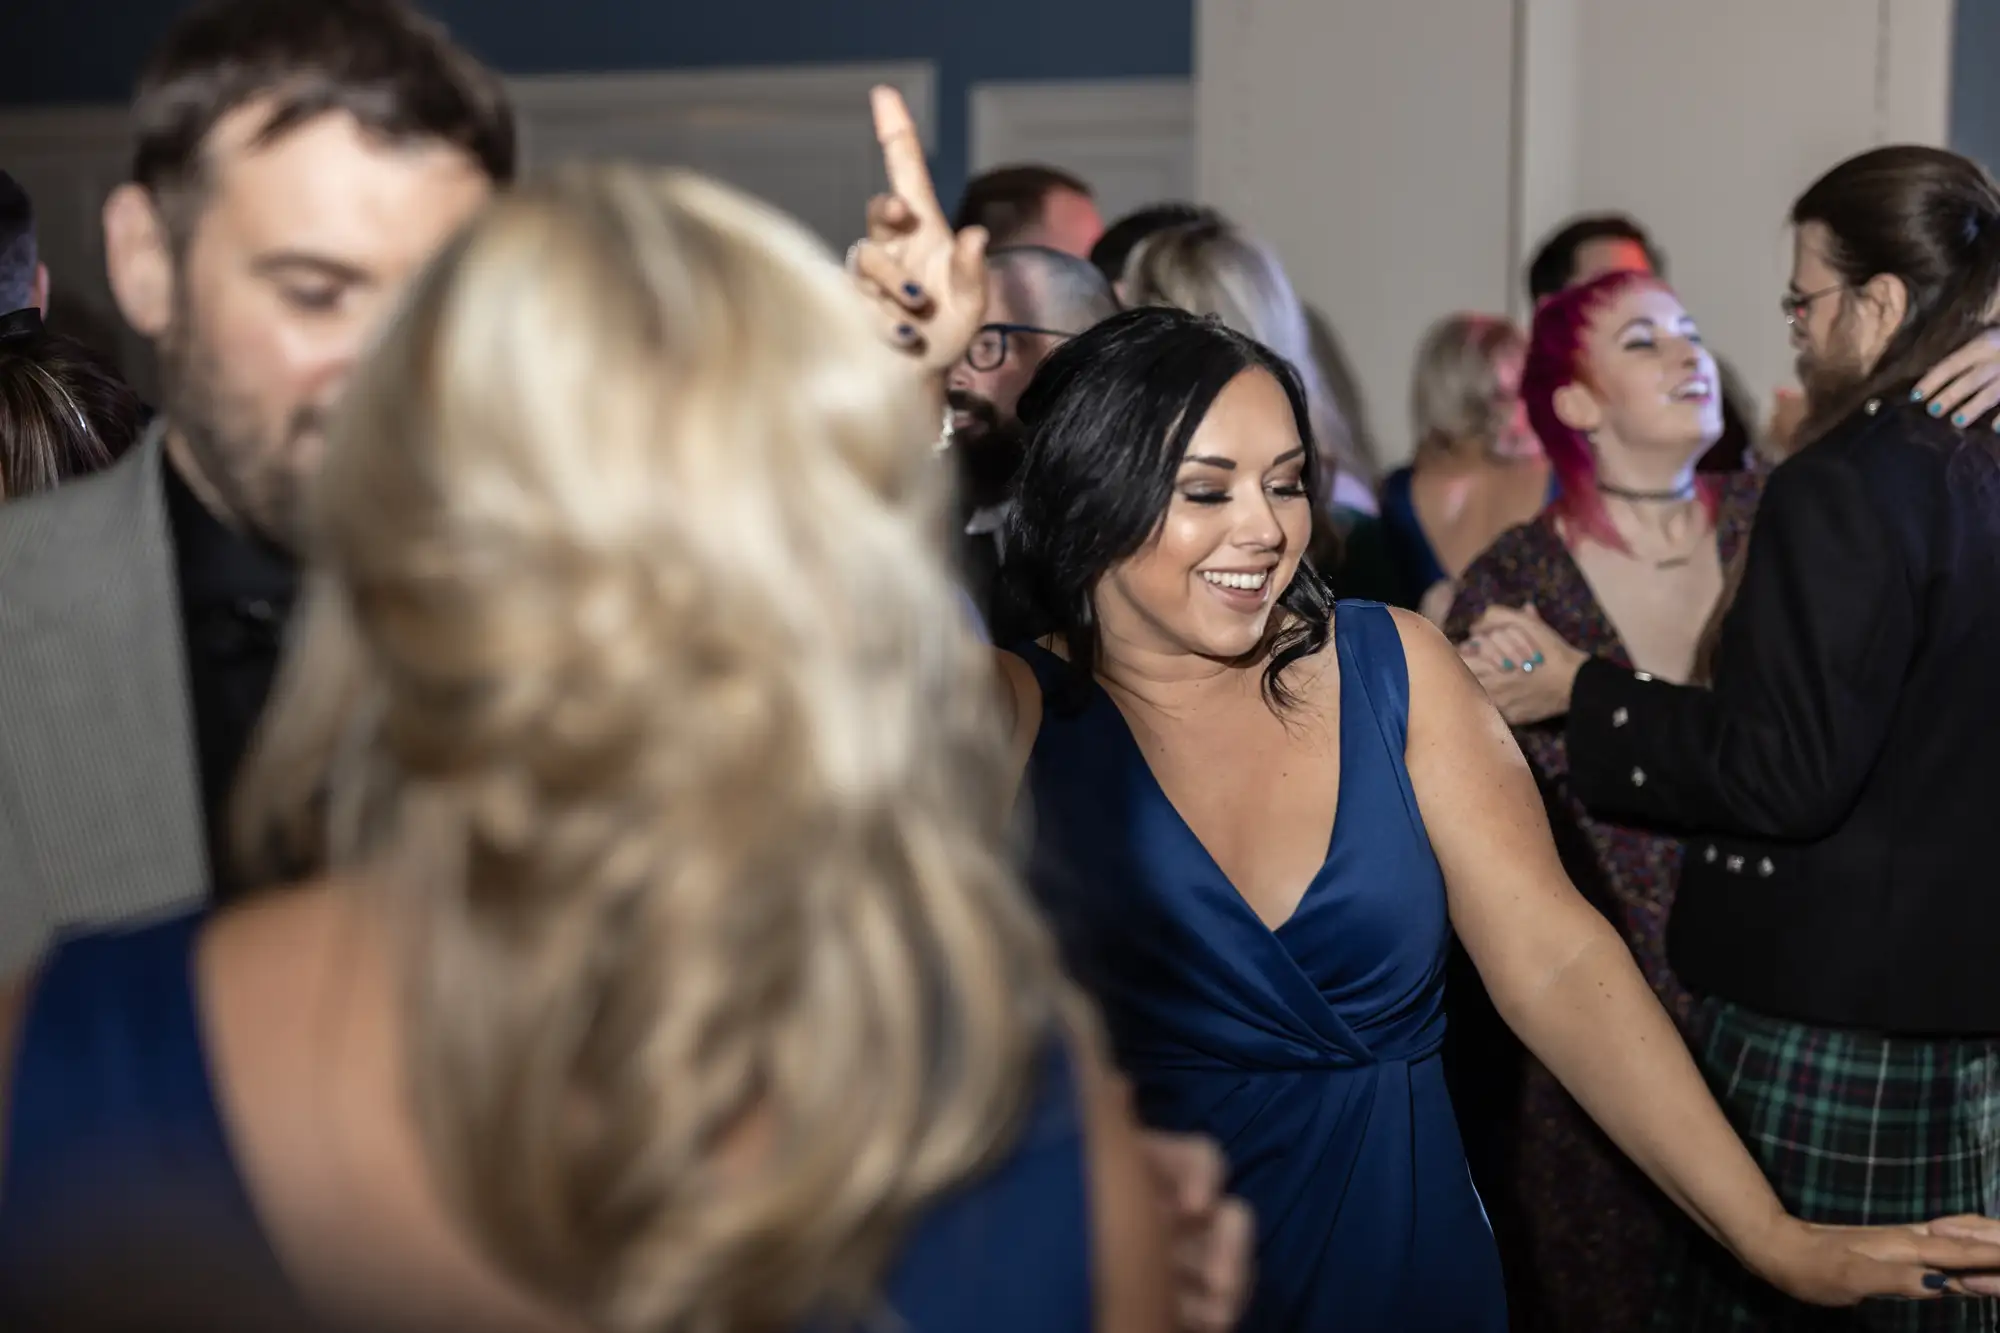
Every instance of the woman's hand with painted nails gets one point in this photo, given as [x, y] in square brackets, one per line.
[1976, 1283]
[1527, 669]
[1965, 386]
[1828, 1265]
[928, 283]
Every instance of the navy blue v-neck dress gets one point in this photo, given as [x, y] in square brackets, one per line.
[1310, 1052]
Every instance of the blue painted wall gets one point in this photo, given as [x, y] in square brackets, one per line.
[91, 50]
[1975, 81]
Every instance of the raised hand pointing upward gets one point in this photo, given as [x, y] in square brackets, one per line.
[928, 283]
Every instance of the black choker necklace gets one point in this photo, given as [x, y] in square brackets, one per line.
[1684, 492]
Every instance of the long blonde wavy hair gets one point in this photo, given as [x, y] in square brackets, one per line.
[632, 656]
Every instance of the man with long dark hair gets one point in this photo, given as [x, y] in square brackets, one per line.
[297, 162]
[1836, 909]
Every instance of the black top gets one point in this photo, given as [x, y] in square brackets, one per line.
[1006, 614]
[1839, 781]
[236, 594]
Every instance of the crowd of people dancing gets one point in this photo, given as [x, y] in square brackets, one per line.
[597, 766]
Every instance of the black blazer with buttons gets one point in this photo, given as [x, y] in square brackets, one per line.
[1840, 785]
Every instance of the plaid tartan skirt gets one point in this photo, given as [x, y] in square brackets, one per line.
[1850, 1129]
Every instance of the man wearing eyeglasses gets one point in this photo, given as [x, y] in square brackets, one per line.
[1035, 298]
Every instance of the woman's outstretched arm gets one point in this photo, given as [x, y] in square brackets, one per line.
[1565, 982]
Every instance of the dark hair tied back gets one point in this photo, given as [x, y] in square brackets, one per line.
[1107, 422]
[1929, 218]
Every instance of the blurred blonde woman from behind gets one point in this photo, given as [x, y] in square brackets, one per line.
[670, 973]
[1211, 267]
[1478, 470]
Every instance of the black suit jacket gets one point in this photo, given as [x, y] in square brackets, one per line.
[1838, 785]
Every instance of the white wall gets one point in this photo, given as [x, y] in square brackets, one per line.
[1132, 139]
[1370, 142]
[1709, 131]
[1406, 158]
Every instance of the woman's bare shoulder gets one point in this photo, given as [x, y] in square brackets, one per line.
[1438, 676]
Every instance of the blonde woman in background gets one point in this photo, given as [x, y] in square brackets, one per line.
[1478, 469]
[670, 973]
[1210, 267]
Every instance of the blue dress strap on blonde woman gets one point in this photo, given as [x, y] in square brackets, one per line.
[122, 1206]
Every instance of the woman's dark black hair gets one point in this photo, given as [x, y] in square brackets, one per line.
[1108, 418]
[64, 412]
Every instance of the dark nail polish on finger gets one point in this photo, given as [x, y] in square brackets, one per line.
[1958, 419]
[906, 332]
[1916, 395]
[1937, 409]
[1935, 1281]
[911, 290]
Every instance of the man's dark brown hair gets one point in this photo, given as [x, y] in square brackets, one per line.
[1009, 200]
[394, 71]
[1554, 265]
[1928, 217]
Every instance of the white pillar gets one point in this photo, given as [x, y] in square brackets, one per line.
[1406, 155]
[1370, 142]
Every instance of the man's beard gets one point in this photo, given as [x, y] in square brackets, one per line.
[253, 477]
[1830, 377]
[987, 453]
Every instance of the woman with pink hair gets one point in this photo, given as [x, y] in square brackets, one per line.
[1627, 563]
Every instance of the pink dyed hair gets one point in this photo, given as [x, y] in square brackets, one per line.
[1555, 360]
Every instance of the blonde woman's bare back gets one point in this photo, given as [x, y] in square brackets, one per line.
[1463, 506]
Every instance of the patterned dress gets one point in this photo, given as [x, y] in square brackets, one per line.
[1580, 1227]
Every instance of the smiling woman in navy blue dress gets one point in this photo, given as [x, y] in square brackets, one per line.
[1259, 818]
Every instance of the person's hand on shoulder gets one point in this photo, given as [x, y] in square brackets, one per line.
[1965, 386]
